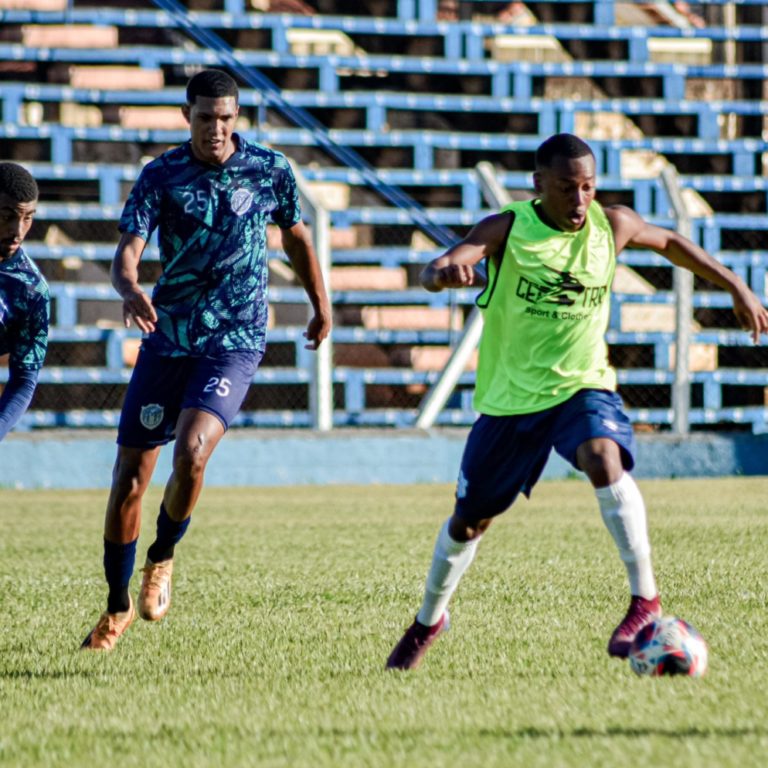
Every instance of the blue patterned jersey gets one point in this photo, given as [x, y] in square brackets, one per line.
[24, 310]
[211, 225]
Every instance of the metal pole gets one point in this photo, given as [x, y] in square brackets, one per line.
[441, 390]
[683, 290]
[729, 22]
[438, 395]
[321, 381]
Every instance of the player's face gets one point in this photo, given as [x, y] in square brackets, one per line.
[566, 189]
[15, 221]
[211, 123]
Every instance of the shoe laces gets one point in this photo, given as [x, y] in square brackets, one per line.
[637, 617]
[106, 625]
[156, 574]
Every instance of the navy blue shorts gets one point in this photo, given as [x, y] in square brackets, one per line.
[507, 454]
[161, 387]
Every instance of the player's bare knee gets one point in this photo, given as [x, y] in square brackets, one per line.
[460, 529]
[190, 459]
[602, 468]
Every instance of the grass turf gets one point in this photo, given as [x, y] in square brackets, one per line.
[287, 602]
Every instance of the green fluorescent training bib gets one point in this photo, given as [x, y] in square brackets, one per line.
[546, 309]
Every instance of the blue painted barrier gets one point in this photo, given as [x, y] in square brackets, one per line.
[66, 460]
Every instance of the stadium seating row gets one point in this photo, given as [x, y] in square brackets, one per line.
[383, 111]
[63, 145]
[105, 183]
[458, 39]
[520, 79]
[716, 232]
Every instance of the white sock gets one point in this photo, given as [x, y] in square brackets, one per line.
[449, 561]
[623, 511]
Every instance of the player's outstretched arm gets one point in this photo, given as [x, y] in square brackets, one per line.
[456, 267]
[297, 245]
[137, 306]
[631, 230]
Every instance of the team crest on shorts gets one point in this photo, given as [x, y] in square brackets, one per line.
[151, 415]
[241, 201]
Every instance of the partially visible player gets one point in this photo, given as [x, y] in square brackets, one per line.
[543, 378]
[205, 326]
[24, 300]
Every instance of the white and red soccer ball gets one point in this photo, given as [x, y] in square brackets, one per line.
[668, 646]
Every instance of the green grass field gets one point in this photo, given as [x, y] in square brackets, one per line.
[288, 601]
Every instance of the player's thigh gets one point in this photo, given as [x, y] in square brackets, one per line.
[153, 400]
[218, 385]
[504, 455]
[134, 467]
[588, 416]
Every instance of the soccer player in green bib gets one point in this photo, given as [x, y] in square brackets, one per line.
[543, 378]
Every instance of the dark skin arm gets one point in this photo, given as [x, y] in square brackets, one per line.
[631, 230]
[455, 268]
[297, 245]
[137, 306]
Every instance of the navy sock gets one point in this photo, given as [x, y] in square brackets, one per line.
[169, 533]
[119, 560]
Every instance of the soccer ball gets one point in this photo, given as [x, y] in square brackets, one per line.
[668, 646]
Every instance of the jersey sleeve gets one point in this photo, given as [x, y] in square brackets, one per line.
[288, 211]
[15, 398]
[142, 208]
[31, 344]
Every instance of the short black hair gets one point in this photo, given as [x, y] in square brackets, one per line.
[18, 183]
[211, 83]
[564, 145]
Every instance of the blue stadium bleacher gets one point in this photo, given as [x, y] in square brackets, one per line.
[425, 142]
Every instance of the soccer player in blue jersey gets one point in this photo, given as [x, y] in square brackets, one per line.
[24, 300]
[204, 327]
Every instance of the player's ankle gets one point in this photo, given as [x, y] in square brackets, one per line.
[118, 600]
[158, 553]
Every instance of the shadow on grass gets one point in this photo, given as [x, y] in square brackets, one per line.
[49, 674]
[637, 732]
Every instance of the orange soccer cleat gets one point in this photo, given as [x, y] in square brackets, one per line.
[108, 630]
[155, 592]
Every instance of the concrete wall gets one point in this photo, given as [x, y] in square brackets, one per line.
[62, 459]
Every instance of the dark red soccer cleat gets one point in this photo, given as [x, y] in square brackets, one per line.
[409, 652]
[641, 612]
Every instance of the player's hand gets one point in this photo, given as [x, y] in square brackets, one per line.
[318, 329]
[750, 313]
[456, 276]
[137, 307]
